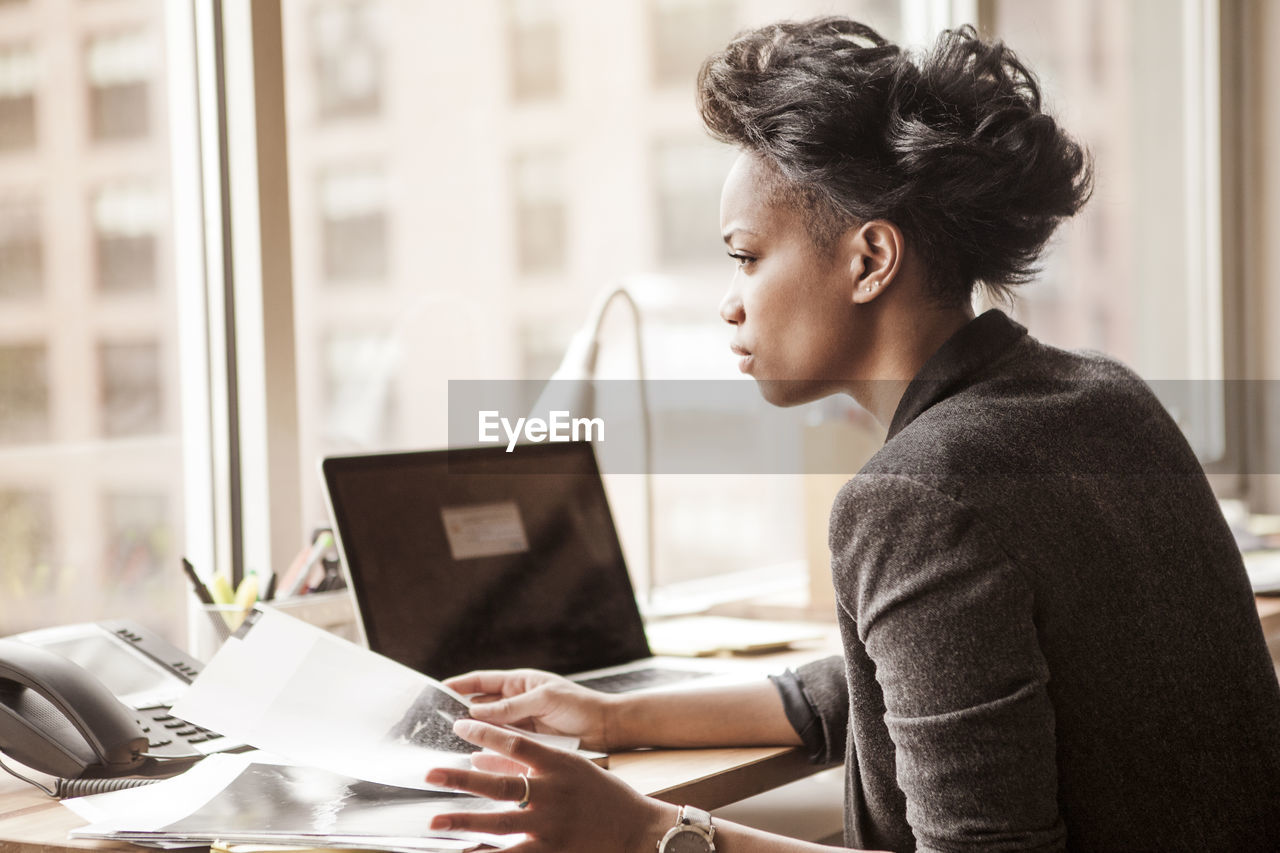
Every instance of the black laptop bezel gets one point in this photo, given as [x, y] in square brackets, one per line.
[532, 460]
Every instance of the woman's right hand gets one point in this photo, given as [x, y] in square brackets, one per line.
[540, 702]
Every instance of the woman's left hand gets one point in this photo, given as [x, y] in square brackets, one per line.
[573, 806]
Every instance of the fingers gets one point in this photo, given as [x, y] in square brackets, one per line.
[497, 823]
[491, 785]
[507, 743]
[512, 710]
[493, 763]
[499, 682]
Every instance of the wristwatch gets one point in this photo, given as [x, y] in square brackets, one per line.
[693, 833]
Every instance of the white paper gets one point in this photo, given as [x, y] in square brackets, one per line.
[295, 690]
[258, 798]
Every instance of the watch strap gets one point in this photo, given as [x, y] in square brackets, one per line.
[698, 818]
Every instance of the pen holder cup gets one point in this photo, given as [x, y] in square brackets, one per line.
[333, 611]
[214, 623]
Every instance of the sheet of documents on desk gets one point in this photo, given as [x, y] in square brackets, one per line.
[255, 798]
[300, 692]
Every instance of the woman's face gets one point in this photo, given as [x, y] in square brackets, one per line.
[790, 303]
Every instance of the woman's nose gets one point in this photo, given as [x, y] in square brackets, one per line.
[731, 307]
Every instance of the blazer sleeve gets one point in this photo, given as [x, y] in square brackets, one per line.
[947, 618]
[816, 700]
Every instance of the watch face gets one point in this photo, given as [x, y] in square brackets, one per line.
[687, 841]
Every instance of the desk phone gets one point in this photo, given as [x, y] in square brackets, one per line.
[93, 700]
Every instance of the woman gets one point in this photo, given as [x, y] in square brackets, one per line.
[1049, 639]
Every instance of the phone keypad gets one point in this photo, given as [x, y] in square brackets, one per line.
[168, 735]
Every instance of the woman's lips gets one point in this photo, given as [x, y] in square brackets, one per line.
[744, 358]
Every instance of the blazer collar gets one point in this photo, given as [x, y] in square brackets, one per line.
[964, 354]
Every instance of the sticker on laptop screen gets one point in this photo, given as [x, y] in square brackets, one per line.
[484, 530]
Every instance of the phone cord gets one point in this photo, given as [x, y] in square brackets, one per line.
[66, 788]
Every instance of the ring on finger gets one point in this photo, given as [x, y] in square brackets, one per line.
[524, 801]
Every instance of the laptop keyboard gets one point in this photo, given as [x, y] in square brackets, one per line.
[637, 679]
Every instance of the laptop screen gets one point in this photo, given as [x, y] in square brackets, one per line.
[478, 558]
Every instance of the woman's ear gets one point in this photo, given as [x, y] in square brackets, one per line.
[876, 250]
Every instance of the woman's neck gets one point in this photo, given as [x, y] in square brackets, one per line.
[907, 336]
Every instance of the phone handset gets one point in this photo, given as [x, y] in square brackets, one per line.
[58, 718]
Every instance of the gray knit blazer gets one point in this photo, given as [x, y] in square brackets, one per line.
[1049, 639]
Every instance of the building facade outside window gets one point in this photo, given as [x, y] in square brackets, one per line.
[347, 39]
[91, 482]
[17, 97]
[127, 217]
[533, 49]
[119, 70]
[354, 216]
[21, 249]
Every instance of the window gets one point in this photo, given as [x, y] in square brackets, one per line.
[27, 567]
[685, 32]
[119, 68]
[17, 98]
[24, 393]
[126, 220]
[561, 163]
[348, 44]
[353, 210]
[131, 392]
[139, 539]
[91, 481]
[533, 49]
[541, 218]
[687, 179]
[21, 256]
[1123, 277]
[359, 394]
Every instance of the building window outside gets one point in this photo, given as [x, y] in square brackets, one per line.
[541, 215]
[131, 392]
[533, 49]
[24, 394]
[26, 548]
[688, 176]
[354, 225]
[139, 539]
[119, 68]
[17, 98]
[21, 255]
[685, 32]
[359, 389]
[347, 57]
[126, 220]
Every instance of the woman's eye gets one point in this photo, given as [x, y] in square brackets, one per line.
[741, 260]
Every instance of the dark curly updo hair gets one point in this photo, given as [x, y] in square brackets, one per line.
[951, 145]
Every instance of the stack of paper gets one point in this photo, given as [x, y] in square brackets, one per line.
[254, 798]
[347, 738]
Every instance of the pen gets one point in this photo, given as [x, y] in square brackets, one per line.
[202, 592]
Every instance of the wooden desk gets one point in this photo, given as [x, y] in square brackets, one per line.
[1269, 613]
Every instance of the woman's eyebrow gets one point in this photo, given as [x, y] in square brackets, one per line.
[728, 235]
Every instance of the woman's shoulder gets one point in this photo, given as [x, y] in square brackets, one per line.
[1038, 410]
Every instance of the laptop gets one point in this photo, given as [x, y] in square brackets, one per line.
[477, 558]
